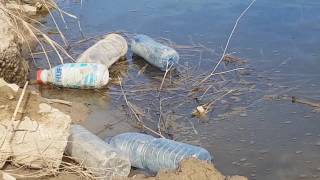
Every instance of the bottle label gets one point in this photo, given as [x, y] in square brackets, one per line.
[78, 75]
[58, 74]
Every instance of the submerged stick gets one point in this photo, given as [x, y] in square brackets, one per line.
[135, 114]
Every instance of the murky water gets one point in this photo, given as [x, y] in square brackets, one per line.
[249, 134]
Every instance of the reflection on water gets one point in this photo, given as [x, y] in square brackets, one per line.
[263, 139]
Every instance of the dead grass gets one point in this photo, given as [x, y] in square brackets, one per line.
[23, 23]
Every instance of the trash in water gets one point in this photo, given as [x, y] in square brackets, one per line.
[154, 154]
[76, 75]
[155, 53]
[106, 51]
[200, 111]
[97, 156]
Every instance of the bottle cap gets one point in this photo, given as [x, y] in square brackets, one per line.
[39, 81]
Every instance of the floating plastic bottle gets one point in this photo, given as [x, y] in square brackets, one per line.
[76, 75]
[155, 53]
[106, 51]
[147, 152]
[97, 156]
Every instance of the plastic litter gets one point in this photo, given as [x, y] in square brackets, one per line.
[154, 154]
[76, 75]
[106, 51]
[96, 155]
[155, 53]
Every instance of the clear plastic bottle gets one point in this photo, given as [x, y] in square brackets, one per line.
[155, 53]
[147, 152]
[76, 75]
[97, 156]
[106, 51]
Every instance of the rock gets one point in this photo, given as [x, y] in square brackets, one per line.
[38, 138]
[6, 176]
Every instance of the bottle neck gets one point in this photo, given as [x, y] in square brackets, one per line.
[43, 76]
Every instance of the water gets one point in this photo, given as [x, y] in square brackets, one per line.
[268, 139]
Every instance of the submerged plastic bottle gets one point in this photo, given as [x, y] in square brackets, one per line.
[97, 156]
[75, 75]
[147, 152]
[106, 51]
[155, 53]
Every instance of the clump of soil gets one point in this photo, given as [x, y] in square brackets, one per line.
[17, 41]
[189, 169]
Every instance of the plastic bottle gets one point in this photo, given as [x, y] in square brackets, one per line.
[97, 156]
[76, 75]
[155, 53]
[106, 51]
[147, 152]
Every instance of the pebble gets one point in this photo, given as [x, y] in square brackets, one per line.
[236, 163]
[303, 176]
[243, 115]
[298, 152]
[318, 169]
[287, 122]
[246, 164]
[44, 108]
[252, 142]
[243, 159]
[264, 151]
[308, 134]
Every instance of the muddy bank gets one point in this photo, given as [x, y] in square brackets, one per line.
[189, 169]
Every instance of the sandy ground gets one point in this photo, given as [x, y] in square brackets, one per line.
[190, 169]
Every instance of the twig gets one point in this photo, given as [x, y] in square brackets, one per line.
[59, 101]
[165, 74]
[12, 130]
[228, 42]
[304, 101]
[19, 101]
[135, 114]
[55, 23]
[161, 116]
[209, 105]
